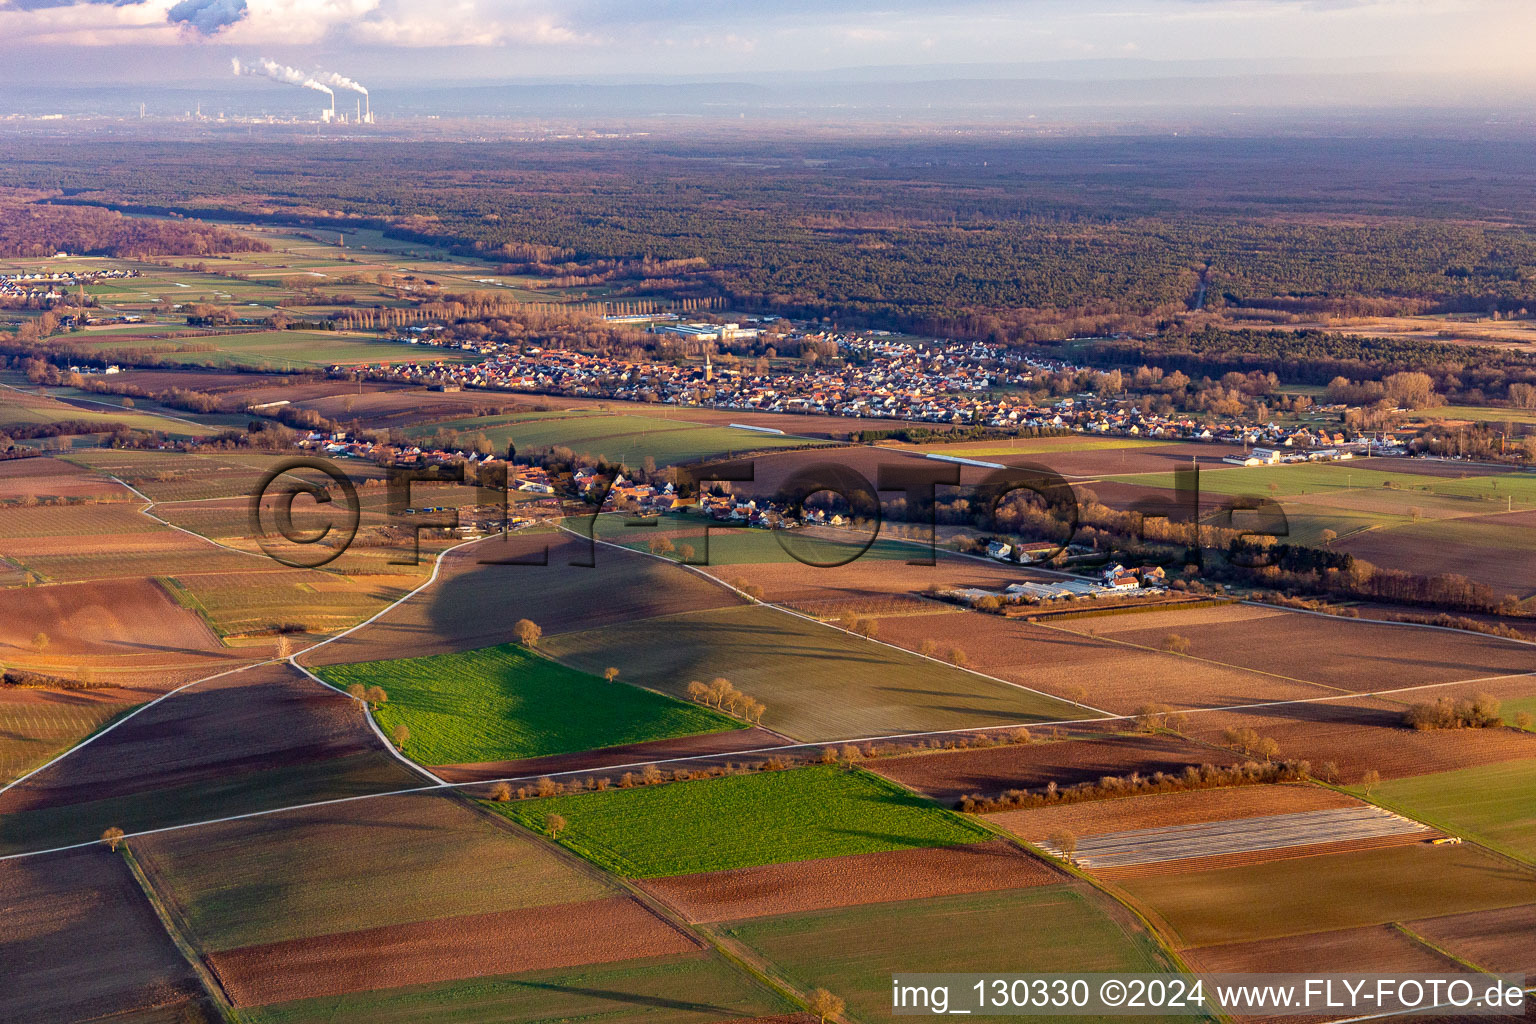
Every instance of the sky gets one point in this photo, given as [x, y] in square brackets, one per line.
[86, 42]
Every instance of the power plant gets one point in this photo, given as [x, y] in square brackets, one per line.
[319, 81]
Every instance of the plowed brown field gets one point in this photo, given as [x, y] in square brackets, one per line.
[1351, 654]
[80, 940]
[475, 605]
[132, 622]
[45, 477]
[1496, 940]
[511, 942]
[852, 881]
[949, 775]
[1110, 676]
[1373, 949]
[1162, 810]
[260, 718]
[1365, 733]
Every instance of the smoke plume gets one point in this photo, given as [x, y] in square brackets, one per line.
[265, 68]
[340, 81]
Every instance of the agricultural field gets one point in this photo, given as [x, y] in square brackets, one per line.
[1490, 803]
[853, 951]
[948, 775]
[1366, 734]
[284, 350]
[297, 874]
[259, 738]
[1325, 651]
[1318, 894]
[818, 683]
[504, 703]
[741, 821]
[84, 907]
[618, 436]
[1067, 659]
[30, 409]
[699, 988]
[852, 880]
[36, 725]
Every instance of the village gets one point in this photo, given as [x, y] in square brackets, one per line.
[968, 384]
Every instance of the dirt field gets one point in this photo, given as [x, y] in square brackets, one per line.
[1108, 675]
[474, 605]
[132, 622]
[1365, 733]
[514, 941]
[949, 775]
[1482, 548]
[631, 753]
[1164, 809]
[80, 940]
[1374, 949]
[791, 582]
[368, 864]
[1348, 654]
[1495, 940]
[45, 477]
[1345, 890]
[852, 881]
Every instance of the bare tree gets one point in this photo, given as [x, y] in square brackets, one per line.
[400, 734]
[112, 837]
[40, 642]
[358, 692]
[527, 632]
[610, 673]
[1066, 842]
[1370, 780]
[824, 1004]
[375, 696]
[501, 792]
[958, 657]
[685, 553]
[1175, 643]
[554, 824]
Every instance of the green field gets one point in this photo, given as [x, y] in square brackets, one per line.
[741, 545]
[282, 349]
[1041, 446]
[29, 409]
[819, 683]
[1511, 708]
[1343, 890]
[503, 703]
[1482, 413]
[739, 821]
[392, 860]
[1356, 474]
[700, 989]
[617, 436]
[854, 951]
[1495, 804]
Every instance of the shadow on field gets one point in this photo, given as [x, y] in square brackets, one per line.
[659, 1002]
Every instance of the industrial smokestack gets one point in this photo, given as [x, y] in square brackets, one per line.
[339, 81]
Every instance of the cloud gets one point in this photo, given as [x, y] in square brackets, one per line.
[207, 16]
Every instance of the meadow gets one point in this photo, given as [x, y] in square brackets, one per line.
[504, 703]
[284, 350]
[818, 683]
[1491, 803]
[854, 951]
[744, 820]
[617, 436]
[28, 409]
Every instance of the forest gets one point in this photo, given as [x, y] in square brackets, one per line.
[31, 230]
[1018, 240]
